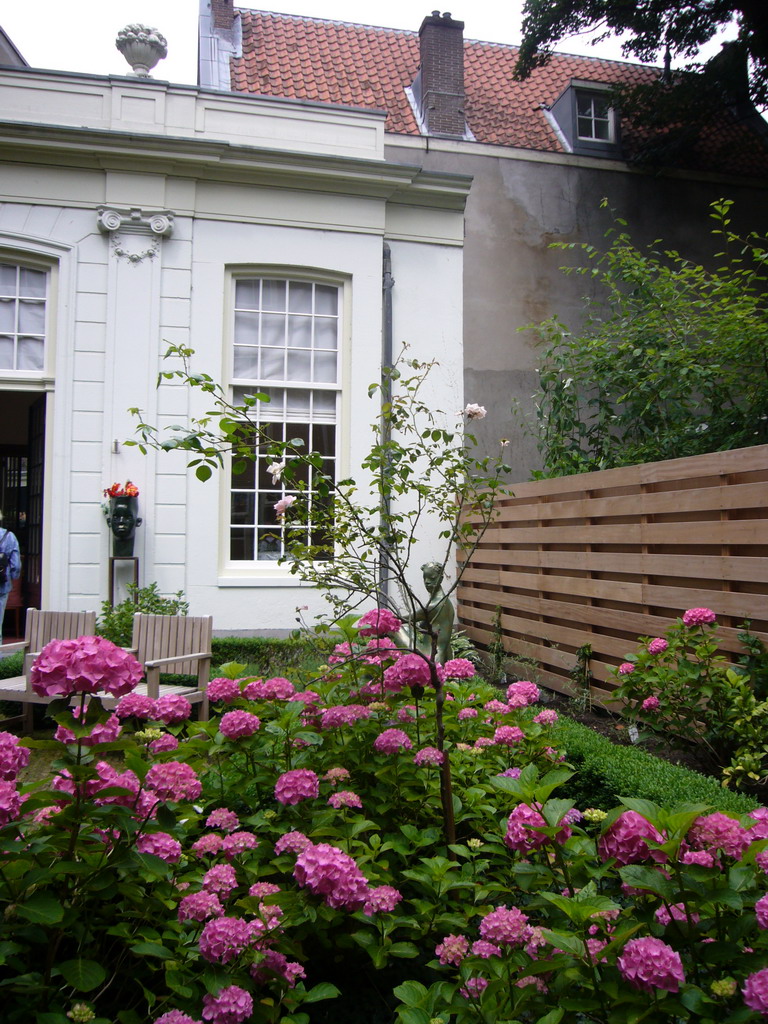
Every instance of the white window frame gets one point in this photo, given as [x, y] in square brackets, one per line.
[25, 261]
[600, 95]
[233, 570]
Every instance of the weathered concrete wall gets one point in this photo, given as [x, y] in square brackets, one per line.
[519, 204]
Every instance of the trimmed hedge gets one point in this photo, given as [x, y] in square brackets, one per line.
[12, 665]
[267, 656]
[606, 772]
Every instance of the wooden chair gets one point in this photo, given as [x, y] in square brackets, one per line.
[174, 643]
[41, 628]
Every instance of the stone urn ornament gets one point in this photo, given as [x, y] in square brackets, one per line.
[122, 518]
[142, 47]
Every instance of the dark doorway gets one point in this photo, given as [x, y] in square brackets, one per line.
[22, 458]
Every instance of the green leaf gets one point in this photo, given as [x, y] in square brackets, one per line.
[325, 990]
[83, 975]
[412, 993]
[41, 908]
[203, 473]
[151, 949]
[413, 1015]
[553, 1017]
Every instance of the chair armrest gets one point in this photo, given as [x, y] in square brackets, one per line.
[20, 645]
[178, 658]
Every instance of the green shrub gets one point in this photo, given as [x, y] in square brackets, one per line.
[607, 772]
[267, 656]
[12, 665]
[116, 622]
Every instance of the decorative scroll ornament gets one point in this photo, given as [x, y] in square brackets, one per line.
[129, 231]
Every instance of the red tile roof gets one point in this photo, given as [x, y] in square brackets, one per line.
[363, 66]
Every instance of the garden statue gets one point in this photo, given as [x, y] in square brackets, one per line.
[122, 518]
[435, 619]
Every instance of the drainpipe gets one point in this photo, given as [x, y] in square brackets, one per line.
[387, 284]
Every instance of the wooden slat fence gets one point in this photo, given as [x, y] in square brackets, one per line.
[602, 558]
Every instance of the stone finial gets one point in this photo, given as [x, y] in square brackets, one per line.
[142, 47]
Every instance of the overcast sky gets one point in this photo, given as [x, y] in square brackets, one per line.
[79, 35]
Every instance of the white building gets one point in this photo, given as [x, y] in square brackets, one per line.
[135, 213]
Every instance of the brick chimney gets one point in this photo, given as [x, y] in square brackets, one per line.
[439, 85]
[222, 13]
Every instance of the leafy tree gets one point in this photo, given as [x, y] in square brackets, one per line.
[652, 28]
[672, 360]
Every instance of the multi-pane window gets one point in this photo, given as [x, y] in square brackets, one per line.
[22, 317]
[594, 116]
[286, 345]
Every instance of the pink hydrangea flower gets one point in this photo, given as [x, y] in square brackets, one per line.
[719, 832]
[391, 741]
[135, 705]
[658, 645]
[172, 709]
[381, 900]
[651, 703]
[474, 987]
[274, 964]
[278, 688]
[176, 1017]
[238, 842]
[161, 845]
[522, 693]
[223, 818]
[84, 665]
[702, 857]
[626, 839]
[10, 802]
[199, 906]
[232, 1005]
[236, 725]
[294, 786]
[676, 912]
[648, 963]
[511, 773]
[345, 798]
[761, 860]
[699, 617]
[226, 690]
[102, 732]
[485, 949]
[452, 950]
[508, 735]
[522, 830]
[429, 755]
[761, 911]
[308, 697]
[459, 668]
[336, 775]
[411, 670]
[329, 872]
[13, 757]
[173, 781]
[626, 668]
[755, 992]
[163, 744]
[546, 717]
[378, 622]
[223, 939]
[220, 879]
[292, 842]
[535, 980]
[343, 714]
[760, 829]
[467, 713]
[261, 889]
[208, 844]
[505, 926]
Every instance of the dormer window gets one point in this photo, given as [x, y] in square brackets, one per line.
[594, 116]
[585, 121]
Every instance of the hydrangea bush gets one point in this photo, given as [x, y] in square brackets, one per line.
[245, 868]
[680, 688]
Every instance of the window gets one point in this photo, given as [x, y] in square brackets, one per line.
[286, 345]
[594, 116]
[23, 293]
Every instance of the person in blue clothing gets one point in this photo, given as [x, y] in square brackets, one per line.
[9, 546]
